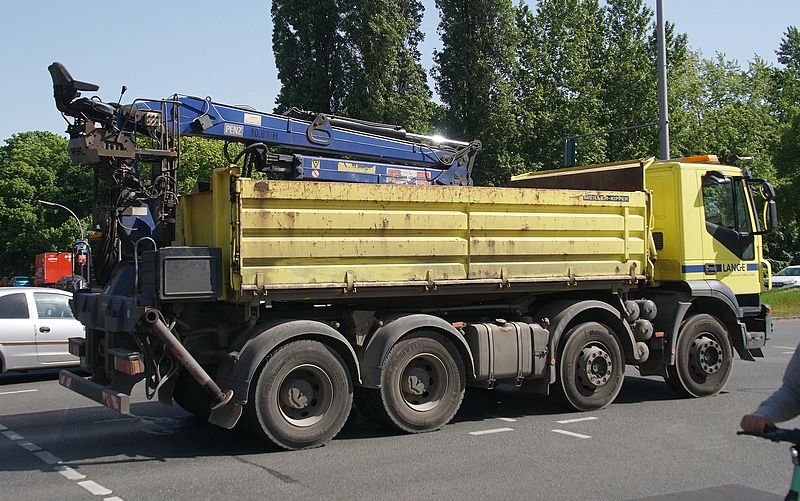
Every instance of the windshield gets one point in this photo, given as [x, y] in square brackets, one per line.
[788, 272]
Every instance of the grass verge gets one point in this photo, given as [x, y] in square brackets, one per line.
[785, 303]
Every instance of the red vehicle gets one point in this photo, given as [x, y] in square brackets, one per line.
[50, 266]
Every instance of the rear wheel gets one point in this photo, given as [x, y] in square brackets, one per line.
[422, 384]
[703, 358]
[303, 395]
[591, 367]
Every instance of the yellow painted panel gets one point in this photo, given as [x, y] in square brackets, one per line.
[340, 247]
[302, 232]
[554, 246]
[283, 219]
[361, 272]
[560, 268]
[552, 221]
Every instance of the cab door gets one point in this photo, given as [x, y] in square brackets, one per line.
[17, 341]
[729, 240]
[54, 326]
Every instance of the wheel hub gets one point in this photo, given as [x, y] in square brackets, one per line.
[305, 395]
[594, 366]
[298, 394]
[423, 382]
[706, 355]
[417, 381]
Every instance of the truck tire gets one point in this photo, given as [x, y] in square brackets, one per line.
[422, 384]
[591, 367]
[703, 358]
[303, 396]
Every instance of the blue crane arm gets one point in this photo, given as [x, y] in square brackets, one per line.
[375, 153]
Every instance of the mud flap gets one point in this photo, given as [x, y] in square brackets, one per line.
[226, 415]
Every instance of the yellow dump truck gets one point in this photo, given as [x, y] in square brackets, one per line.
[358, 263]
[403, 295]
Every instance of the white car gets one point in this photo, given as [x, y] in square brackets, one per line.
[35, 323]
[786, 278]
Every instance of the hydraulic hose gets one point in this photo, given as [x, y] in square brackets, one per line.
[153, 317]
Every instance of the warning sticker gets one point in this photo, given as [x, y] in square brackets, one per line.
[352, 167]
[251, 119]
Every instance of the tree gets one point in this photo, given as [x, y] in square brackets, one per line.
[358, 58]
[389, 84]
[787, 102]
[34, 166]
[559, 83]
[474, 74]
[311, 55]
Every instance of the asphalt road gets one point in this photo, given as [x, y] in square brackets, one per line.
[503, 444]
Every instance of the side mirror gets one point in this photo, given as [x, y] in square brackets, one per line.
[771, 209]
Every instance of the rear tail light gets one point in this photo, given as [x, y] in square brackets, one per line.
[77, 346]
[127, 362]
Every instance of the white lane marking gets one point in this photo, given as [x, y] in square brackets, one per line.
[571, 434]
[486, 432]
[69, 473]
[784, 347]
[15, 392]
[63, 470]
[29, 446]
[576, 420]
[47, 457]
[507, 419]
[12, 435]
[788, 353]
[95, 488]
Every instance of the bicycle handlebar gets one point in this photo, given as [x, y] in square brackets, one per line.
[776, 434]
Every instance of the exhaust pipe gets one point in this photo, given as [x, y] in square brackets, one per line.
[224, 411]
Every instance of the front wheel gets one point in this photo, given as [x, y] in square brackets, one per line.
[703, 358]
[591, 367]
[303, 395]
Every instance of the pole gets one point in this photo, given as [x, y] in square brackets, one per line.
[83, 238]
[663, 109]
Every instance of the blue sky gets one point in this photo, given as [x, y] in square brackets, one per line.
[223, 49]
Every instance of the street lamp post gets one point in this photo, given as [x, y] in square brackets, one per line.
[81, 244]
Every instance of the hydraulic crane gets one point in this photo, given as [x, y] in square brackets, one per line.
[125, 142]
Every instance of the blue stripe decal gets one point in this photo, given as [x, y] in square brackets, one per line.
[695, 268]
[700, 268]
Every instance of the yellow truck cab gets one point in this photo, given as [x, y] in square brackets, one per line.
[706, 261]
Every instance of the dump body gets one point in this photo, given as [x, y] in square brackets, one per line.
[339, 237]
[51, 266]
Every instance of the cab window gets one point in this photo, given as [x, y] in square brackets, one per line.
[14, 306]
[727, 218]
[726, 206]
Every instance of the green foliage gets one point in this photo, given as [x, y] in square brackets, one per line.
[474, 75]
[35, 166]
[784, 303]
[559, 83]
[787, 104]
[358, 58]
[389, 84]
[310, 54]
[199, 157]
